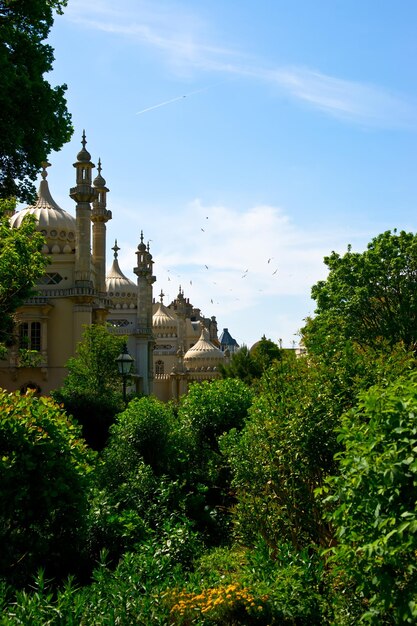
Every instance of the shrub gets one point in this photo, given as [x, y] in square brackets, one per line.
[44, 487]
[375, 504]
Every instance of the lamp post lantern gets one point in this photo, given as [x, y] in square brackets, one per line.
[124, 364]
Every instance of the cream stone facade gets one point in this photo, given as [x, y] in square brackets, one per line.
[171, 345]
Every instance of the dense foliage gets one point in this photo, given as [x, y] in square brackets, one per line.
[249, 365]
[44, 484]
[375, 498]
[92, 391]
[287, 499]
[33, 116]
[22, 263]
[369, 296]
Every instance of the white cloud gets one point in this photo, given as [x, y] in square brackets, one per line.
[230, 261]
[346, 99]
[185, 42]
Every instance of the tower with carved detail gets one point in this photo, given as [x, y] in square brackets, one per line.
[143, 331]
[83, 194]
[100, 215]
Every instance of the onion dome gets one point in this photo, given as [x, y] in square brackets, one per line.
[58, 226]
[203, 354]
[163, 321]
[120, 289]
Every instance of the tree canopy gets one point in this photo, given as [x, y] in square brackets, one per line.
[22, 263]
[33, 115]
[92, 391]
[249, 365]
[368, 297]
[44, 482]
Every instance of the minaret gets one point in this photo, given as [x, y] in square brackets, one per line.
[144, 335]
[99, 216]
[181, 311]
[143, 271]
[83, 194]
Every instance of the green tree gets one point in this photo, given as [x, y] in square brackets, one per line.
[44, 486]
[265, 352]
[22, 263]
[286, 449]
[209, 410]
[33, 116]
[241, 365]
[142, 491]
[142, 432]
[92, 390]
[212, 408]
[248, 365]
[374, 495]
[369, 296]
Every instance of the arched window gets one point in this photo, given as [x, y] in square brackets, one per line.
[30, 336]
[159, 367]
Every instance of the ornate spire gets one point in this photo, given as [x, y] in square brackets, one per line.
[115, 248]
[141, 246]
[44, 165]
[161, 297]
[99, 180]
[83, 155]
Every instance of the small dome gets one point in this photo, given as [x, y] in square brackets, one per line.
[163, 319]
[58, 226]
[118, 286]
[203, 353]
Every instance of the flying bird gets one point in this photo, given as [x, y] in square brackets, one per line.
[273, 273]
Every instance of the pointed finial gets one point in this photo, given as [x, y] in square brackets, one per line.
[44, 165]
[83, 156]
[161, 297]
[115, 248]
[99, 180]
[141, 246]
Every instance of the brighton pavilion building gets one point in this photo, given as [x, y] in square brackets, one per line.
[172, 345]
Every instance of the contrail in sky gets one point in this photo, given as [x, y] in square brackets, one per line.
[162, 104]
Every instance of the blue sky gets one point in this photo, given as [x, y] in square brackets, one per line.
[247, 139]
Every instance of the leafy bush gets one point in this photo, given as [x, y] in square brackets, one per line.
[140, 434]
[92, 390]
[375, 502]
[212, 408]
[44, 487]
[287, 446]
[250, 587]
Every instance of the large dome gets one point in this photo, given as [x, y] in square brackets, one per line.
[58, 226]
[203, 354]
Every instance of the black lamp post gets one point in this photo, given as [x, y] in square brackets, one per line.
[124, 364]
